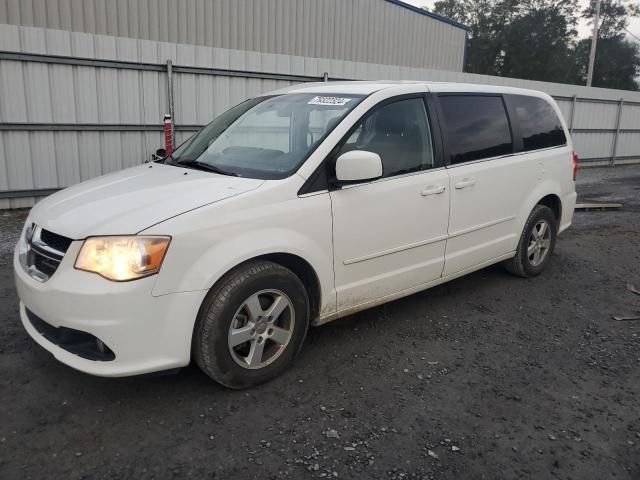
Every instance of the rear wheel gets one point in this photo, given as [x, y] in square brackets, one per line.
[536, 243]
[251, 325]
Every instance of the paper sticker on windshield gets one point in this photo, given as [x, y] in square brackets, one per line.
[337, 101]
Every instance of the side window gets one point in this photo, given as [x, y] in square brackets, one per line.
[399, 132]
[539, 124]
[477, 127]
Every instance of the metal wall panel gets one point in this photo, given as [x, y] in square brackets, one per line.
[565, 108]
[13, 104]
[44, 164]
[595, 115]
[593, 145]
[4, 177]
[372, 31]
[629, 145]
[630, 117]
[89, 155]
[17, 148]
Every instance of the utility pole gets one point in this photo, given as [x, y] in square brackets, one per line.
[594, 44]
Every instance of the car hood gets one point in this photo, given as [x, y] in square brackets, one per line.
[128, 201]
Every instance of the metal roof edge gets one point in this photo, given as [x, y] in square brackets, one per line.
[427, 13]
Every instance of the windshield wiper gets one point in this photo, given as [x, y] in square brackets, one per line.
[203, 166]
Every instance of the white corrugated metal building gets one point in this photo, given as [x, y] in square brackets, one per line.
[387, 32]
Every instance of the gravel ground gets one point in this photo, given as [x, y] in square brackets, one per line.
[488, 376]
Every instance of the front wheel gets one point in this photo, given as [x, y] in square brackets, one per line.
[251, 325]
[536, 243]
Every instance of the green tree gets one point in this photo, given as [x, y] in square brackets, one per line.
[614, 16]
[536, 39]
[487, 20]
[538, 42]
[617, 63]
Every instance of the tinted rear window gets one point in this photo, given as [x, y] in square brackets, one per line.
[477, 127]
[539, 124]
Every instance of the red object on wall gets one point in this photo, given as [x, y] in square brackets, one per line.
[168, 144]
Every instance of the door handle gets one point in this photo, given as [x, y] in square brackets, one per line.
[433, 190]
[467, 182]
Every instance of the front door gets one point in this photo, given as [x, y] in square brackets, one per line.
[390, 234]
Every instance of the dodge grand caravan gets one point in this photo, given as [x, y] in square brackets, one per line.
[293, 208]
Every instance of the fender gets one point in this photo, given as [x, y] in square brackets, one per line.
[209, 242]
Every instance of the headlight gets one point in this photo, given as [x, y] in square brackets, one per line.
[23, 241]
[122, 258]
[25, 235]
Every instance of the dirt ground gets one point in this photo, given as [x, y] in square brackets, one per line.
[488, 376]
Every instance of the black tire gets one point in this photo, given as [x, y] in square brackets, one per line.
[522, 265]
[211, 342]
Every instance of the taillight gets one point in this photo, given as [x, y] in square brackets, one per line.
[574, 165]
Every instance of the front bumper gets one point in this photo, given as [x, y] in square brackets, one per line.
[145, 333]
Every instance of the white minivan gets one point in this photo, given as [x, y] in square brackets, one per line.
[292, 209]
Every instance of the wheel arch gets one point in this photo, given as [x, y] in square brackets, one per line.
[554, 203]
[305, 272]
[545, 193]
[299, 266]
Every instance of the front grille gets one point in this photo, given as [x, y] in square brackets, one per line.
[45, 265]
[55, 241]
[74, 341]
[45, 251]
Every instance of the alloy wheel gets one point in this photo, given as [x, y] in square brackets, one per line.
[539, 243]
[261, 329]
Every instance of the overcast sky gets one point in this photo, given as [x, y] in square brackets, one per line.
[584, 30]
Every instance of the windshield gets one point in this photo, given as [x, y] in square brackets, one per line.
[265, 137]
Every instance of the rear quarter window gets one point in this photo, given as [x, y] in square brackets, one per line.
[476, 126]
[539, 124]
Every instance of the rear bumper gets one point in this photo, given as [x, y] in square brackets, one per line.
[145, 333]
[568, 207]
